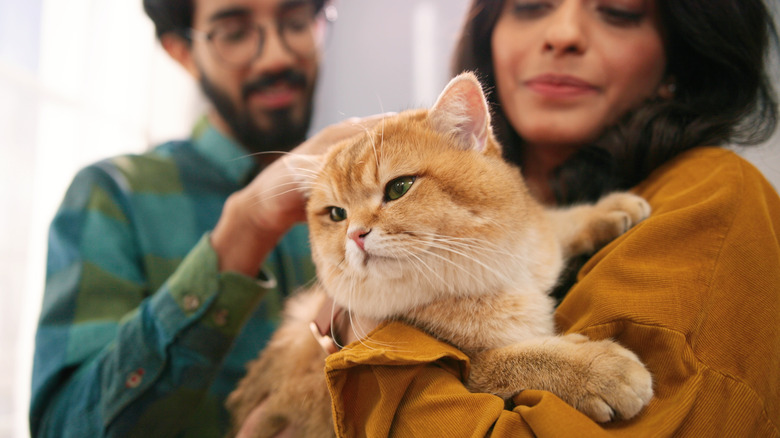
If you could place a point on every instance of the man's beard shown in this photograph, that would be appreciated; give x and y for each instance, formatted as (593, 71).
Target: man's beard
(285, 131)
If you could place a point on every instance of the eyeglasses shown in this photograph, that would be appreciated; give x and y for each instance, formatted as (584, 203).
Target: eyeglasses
(237, 41)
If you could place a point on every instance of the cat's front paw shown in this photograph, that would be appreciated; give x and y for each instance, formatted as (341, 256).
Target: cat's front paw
(620, 211)
(614, 385)
(585, 228)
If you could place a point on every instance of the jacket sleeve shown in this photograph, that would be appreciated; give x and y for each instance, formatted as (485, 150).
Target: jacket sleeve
(109, 350)
(418, 390)
(694, 291)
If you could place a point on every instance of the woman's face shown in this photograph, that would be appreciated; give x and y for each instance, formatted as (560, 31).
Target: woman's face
(567, 69)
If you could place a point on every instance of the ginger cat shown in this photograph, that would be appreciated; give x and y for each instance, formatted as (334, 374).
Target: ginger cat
(421, 219)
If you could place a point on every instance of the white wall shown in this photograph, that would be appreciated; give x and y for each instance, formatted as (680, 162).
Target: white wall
(85, 79)
(386, 56)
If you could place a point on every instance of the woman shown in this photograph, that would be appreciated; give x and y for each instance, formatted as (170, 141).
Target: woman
(592, 96)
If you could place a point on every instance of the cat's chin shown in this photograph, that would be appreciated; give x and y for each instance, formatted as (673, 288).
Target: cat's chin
(376, 296)
(365, 265)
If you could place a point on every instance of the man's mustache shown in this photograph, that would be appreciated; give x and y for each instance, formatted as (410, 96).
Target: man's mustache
(293, 78)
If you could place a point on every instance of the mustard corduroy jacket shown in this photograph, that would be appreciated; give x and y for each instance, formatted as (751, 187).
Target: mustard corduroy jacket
(694, 290)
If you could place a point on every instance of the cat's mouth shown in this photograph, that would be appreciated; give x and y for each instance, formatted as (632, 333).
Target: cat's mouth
(374, 264)
(374, 258)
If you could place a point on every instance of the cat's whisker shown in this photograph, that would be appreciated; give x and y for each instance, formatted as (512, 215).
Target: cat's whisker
(475, 245)
(453, 263)
(309, 284)
(308, 172)
(467, 242)
(369, 342)
(481, 250)
(286, 184)
(435, 245)
(381, 144)
(296, 187)
(360, 332)
(366, 129)
(363, 337)
(261, 198)
(333, 325)
(435, 272)
(357, 328)
(409, 255)
(373, 148)
(307, 157)
(257, 154)
(477, 248)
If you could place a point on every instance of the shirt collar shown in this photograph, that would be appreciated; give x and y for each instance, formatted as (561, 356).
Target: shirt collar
(231, 158)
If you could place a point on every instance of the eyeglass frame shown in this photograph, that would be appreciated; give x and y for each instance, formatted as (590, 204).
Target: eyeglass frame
(325, 12)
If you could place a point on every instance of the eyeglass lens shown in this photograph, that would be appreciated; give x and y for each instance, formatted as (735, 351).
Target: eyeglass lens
(238, 41)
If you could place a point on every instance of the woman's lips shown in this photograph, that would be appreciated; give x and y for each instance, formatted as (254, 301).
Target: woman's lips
(561, 86)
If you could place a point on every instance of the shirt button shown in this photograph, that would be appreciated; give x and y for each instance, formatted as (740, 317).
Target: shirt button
(221, 317)
(191, 303)
(134, 379)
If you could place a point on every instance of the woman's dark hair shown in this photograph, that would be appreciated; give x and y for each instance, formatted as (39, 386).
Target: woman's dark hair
(718, 52)
(175, 16)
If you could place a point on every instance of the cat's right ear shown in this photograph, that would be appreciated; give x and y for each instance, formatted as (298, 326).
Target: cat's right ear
(462, 112)
(304, 169)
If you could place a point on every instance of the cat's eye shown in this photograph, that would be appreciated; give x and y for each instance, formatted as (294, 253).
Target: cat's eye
(398, 187)
(337, 214)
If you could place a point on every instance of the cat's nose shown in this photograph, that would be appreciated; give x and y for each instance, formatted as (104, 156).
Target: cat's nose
(358, 235)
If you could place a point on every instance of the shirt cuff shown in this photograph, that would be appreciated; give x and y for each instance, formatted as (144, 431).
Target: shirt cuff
(222, 301)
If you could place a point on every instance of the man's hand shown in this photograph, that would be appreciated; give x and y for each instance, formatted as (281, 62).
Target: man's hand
(256, 217)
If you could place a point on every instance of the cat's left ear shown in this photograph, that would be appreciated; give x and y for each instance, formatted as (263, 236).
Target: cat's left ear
(304, 169)
(462, 111)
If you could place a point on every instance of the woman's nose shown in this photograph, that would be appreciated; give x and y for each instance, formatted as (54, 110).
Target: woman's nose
(566, 28)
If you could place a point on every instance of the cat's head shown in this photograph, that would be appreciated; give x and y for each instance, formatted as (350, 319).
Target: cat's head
(419, 207)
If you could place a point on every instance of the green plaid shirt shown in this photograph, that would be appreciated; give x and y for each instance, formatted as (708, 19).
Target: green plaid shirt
(139, 334)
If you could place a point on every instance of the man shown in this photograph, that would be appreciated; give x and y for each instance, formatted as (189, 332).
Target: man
(166, 269)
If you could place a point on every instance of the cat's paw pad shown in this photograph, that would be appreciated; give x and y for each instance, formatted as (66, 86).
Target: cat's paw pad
(613, 215)
(616, 385)
(624, 210)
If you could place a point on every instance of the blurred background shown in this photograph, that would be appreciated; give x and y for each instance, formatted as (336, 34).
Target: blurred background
(81, 80)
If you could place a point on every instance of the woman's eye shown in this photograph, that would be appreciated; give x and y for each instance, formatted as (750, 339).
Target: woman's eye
(621, 17)
(337, 214)
(398, 187)
(530, 9)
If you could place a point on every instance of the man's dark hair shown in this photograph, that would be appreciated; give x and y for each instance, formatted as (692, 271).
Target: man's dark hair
(175, 16)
